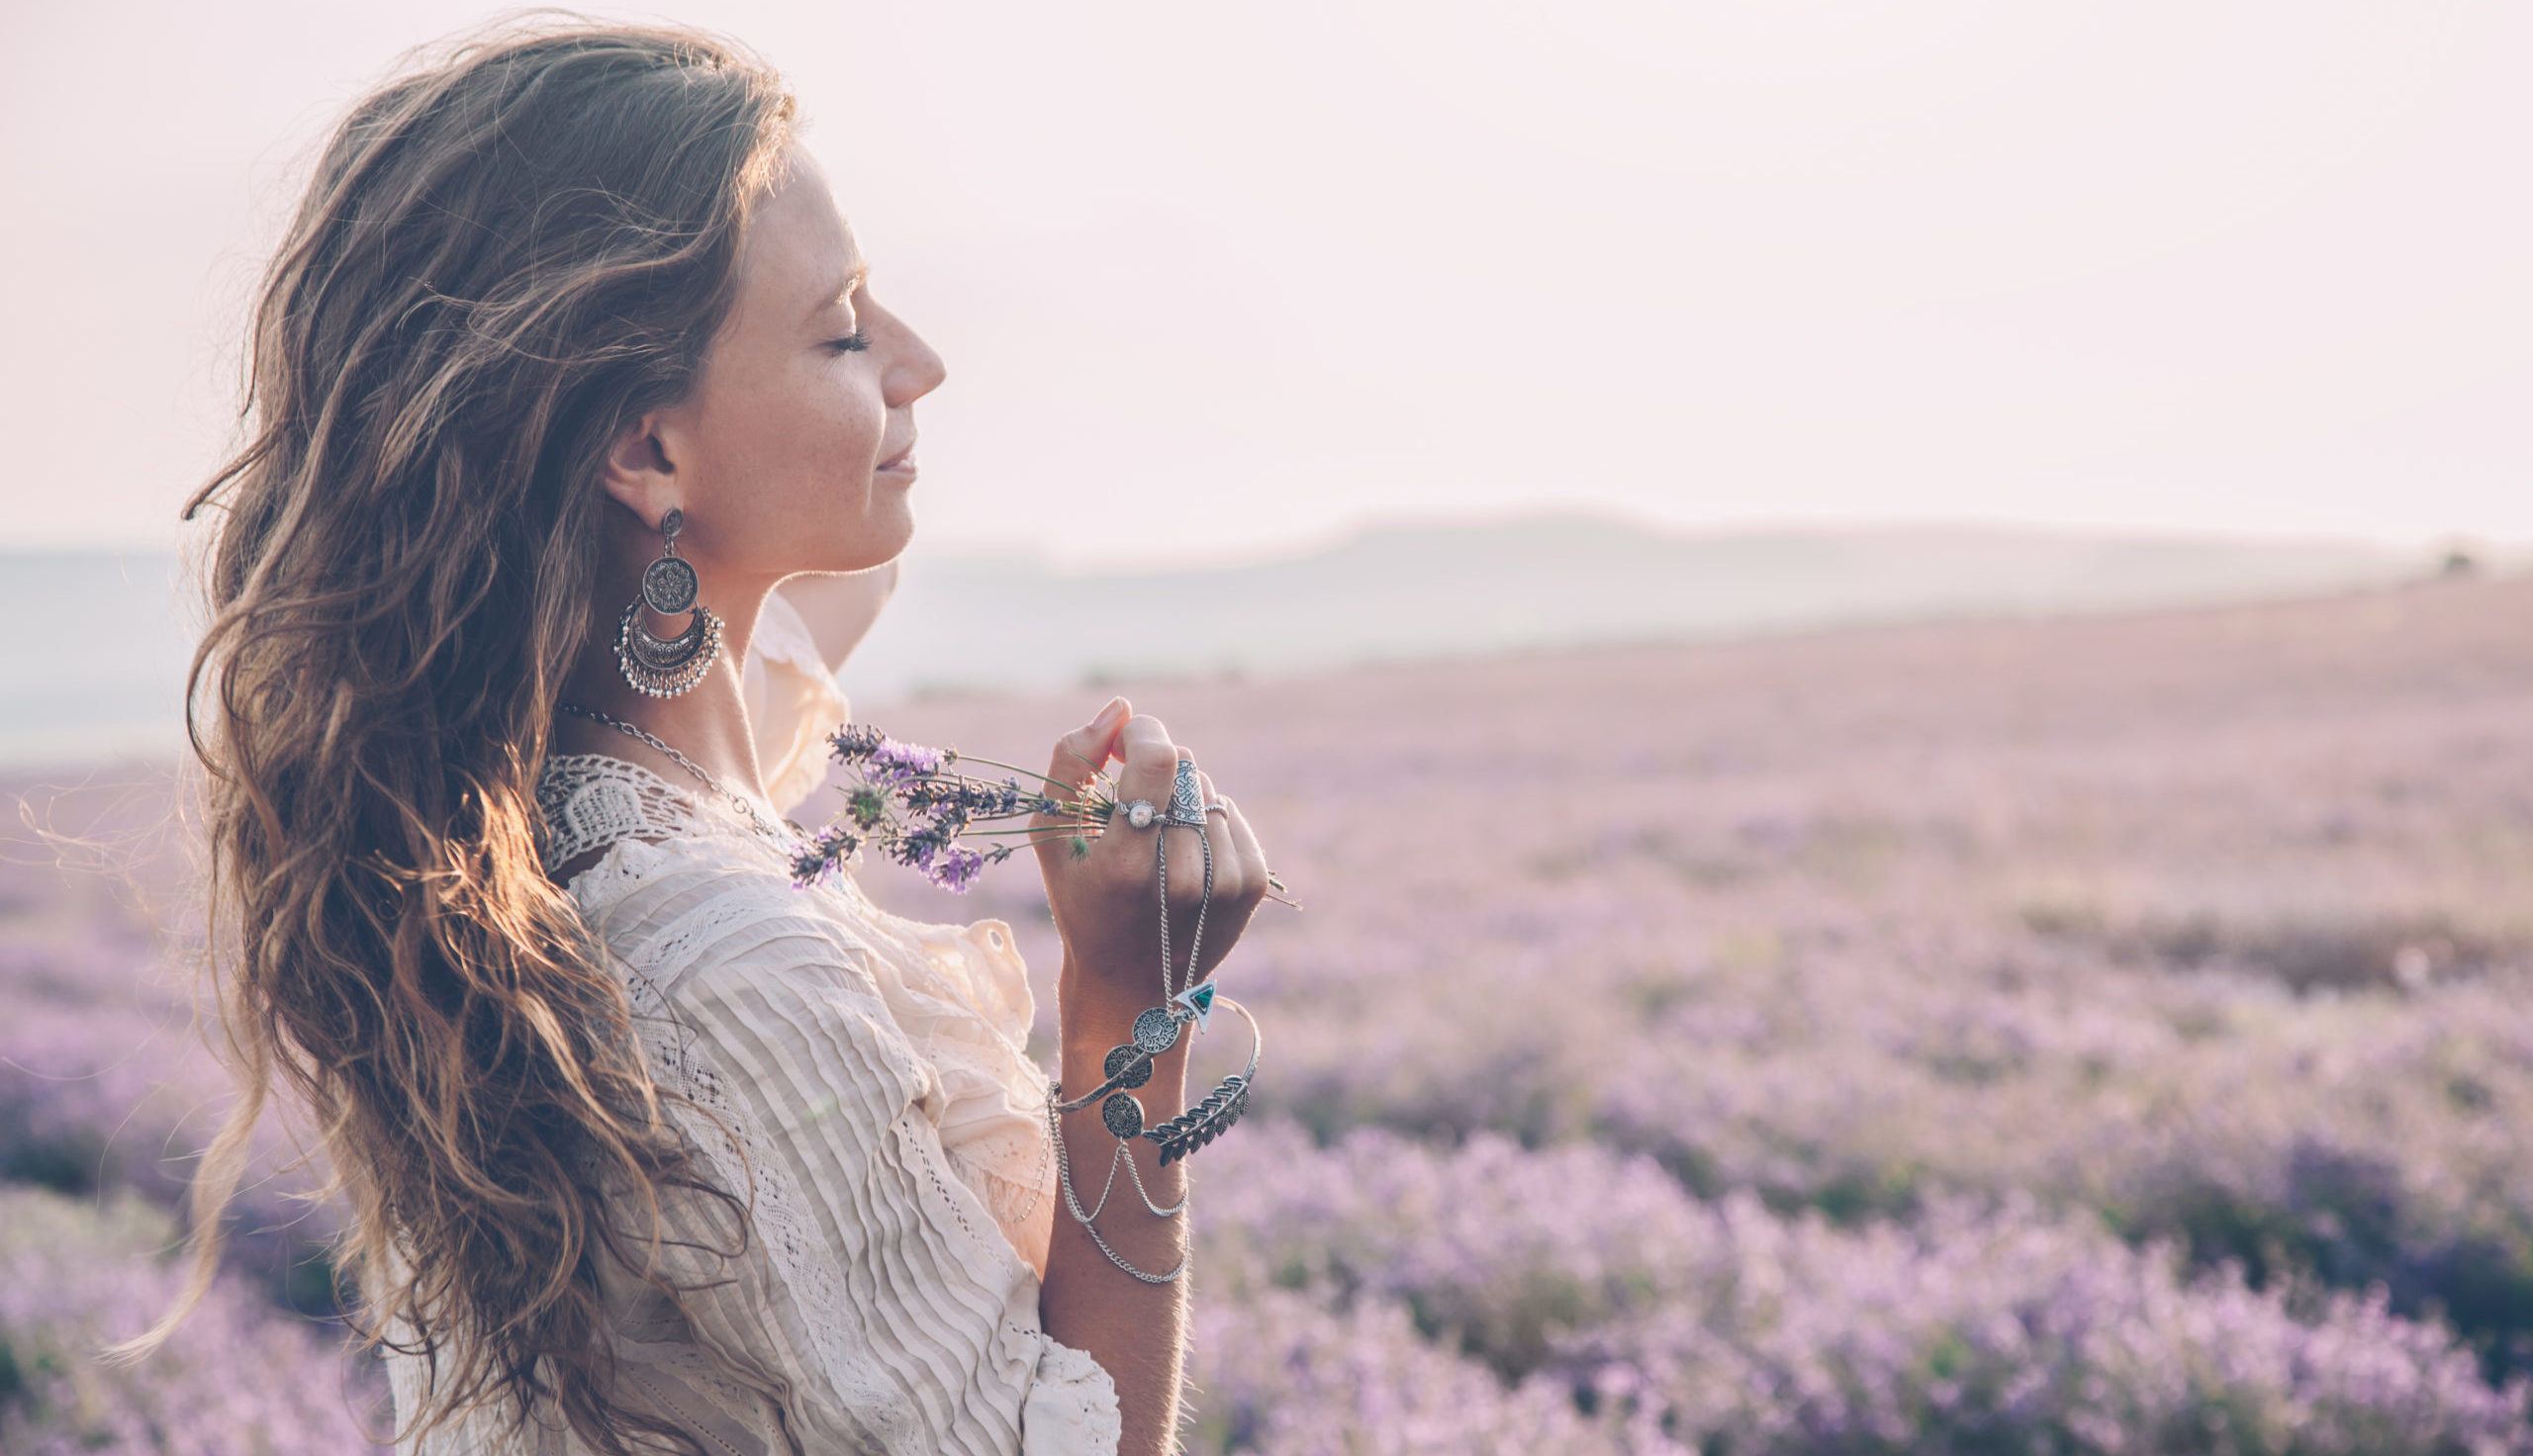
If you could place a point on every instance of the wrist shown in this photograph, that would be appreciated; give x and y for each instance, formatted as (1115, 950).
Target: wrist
(1094, 1027)
(1094, 1015)
(1102, 996)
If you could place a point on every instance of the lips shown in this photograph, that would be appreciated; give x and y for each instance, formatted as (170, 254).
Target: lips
(899, 458)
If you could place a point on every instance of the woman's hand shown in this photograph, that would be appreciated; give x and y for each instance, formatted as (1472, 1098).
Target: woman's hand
(1107, 903)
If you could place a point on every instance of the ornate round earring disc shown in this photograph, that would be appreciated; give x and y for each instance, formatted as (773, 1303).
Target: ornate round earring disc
(1157, 1030)
(1123, 1115)
(669, 585)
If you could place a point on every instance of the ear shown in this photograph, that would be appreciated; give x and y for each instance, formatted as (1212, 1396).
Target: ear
(637, 471)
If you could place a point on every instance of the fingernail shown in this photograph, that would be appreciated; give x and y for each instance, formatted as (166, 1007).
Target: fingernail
(1109, 712)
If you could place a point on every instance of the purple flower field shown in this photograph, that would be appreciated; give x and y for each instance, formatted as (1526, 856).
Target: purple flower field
(2102, 1036)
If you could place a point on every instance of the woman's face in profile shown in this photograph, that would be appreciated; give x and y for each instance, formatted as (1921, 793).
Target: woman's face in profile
(778, 456)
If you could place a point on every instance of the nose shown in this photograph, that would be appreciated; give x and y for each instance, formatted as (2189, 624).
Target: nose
(916, 370)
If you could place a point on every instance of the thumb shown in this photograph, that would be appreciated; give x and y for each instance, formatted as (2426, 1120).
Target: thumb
(1086, 750)
(1114, 711)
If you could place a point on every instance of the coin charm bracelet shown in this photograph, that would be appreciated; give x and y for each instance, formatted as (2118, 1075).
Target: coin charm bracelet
(1158, 1029)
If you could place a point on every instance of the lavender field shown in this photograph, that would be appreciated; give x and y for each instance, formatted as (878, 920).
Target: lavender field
(2092, 1035)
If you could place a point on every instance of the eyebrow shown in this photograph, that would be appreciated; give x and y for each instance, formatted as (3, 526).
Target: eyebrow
(861, 273)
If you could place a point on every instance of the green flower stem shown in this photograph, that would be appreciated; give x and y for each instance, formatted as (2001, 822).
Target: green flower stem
(1014, 814)
(1015, 768)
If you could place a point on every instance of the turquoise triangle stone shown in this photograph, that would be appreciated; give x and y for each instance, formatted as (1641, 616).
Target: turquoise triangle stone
(1198, 998)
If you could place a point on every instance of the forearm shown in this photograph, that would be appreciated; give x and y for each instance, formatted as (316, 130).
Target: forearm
(1134, 1328)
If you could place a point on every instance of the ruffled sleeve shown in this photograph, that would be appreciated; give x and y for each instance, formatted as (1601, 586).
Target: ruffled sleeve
(960, 990)
(792, 702)
(961, 993)
(880, 1310)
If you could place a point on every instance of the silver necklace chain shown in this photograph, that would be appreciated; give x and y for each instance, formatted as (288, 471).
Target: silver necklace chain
(738, 802)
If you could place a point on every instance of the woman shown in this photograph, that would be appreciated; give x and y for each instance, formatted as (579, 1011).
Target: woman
(644, 1149)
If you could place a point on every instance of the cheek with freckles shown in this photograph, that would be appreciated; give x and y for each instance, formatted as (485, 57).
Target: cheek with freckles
(839, 418)
(821, 442)
(791, 443)
(857, 441)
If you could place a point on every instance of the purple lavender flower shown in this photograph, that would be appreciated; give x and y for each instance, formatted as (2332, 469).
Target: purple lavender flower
(900, 766)
(822, 855)
(1918, 1071)
(956, 869)
(242, 1374)
(853, 742)
(914, 804)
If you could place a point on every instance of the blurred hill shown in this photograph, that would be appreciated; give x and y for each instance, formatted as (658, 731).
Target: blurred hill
(1427, 590)
(104, 674)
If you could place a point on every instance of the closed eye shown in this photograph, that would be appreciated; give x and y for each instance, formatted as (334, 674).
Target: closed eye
(850, 343)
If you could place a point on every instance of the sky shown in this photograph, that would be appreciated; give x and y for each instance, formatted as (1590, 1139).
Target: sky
(1234, 279)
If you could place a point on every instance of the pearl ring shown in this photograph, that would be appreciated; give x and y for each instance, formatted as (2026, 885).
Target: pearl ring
(1141, 813)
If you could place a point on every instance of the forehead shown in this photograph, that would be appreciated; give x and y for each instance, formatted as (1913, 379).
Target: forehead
(799, 248)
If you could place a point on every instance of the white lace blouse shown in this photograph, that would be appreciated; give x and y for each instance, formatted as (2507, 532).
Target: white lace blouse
(874, 1069)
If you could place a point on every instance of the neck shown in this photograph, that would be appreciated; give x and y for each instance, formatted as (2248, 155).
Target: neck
(708, 722)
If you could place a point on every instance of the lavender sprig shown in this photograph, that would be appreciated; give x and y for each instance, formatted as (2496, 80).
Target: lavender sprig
(913, 805)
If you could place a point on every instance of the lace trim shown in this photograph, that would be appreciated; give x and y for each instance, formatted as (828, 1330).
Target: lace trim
(1011, 1201)
(593, 800)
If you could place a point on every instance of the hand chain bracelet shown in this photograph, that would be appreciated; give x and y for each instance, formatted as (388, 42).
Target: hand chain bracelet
(1129, 1064)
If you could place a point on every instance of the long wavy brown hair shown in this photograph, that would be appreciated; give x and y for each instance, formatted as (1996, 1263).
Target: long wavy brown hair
(505, 254)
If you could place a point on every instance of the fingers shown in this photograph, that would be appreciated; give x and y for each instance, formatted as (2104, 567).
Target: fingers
(1192, 877)
(1244, 844)
(1151, 768)
(1151, 761)
(1148, 760)
(1232, 877)
(1082, 753)
(1240, 867)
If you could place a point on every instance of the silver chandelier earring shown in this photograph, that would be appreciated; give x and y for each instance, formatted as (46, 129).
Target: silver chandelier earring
(664, 666)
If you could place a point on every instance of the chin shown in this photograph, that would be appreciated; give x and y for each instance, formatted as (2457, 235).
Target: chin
(872, 541)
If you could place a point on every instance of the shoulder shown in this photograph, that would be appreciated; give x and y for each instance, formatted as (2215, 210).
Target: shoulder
(706, 896)
(626, 844)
